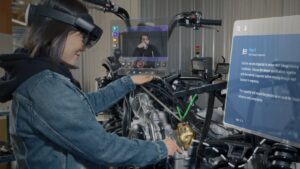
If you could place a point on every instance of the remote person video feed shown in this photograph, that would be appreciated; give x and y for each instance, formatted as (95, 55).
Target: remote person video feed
(143, 49)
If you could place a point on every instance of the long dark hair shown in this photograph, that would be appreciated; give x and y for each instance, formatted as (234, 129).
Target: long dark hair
(47, 37)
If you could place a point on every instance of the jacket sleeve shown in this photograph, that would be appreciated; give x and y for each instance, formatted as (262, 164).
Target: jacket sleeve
(65, 117)
(109, 95)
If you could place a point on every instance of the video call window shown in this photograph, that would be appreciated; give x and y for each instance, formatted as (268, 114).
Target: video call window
(143, 48)
(144, 41)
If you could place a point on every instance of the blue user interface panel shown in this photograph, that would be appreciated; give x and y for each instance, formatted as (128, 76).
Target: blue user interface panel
(143, 47)
(263, 96)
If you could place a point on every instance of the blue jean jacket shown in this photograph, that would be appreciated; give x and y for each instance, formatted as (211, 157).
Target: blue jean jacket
(53, 126)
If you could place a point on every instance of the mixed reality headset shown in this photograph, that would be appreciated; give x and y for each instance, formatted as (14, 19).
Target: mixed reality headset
(83, 23)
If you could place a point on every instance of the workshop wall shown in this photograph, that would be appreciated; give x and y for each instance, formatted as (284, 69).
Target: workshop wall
(232, 10)
(214, 44)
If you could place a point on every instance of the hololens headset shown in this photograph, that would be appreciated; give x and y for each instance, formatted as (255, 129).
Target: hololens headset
(83, 23)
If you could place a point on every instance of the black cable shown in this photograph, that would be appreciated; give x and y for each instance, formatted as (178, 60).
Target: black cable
(224, 60)
(112, 129)
(191, 118)
(177, 101)
(162, 91)
(173, 24)
(168, 91)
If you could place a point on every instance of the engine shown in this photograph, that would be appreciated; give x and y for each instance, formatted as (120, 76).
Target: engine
(148, 122)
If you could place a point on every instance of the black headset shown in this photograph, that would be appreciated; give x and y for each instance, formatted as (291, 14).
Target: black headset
(83, 23)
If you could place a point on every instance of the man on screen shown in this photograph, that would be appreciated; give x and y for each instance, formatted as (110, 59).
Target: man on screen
(145, 49)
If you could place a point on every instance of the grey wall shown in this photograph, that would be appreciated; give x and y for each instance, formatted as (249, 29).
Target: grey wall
(214, 44)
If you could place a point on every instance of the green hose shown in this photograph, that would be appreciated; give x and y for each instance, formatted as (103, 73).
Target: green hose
(191, 102)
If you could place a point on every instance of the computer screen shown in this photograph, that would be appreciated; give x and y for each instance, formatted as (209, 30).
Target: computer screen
(263, 95)
(143, 47)
(222, 68)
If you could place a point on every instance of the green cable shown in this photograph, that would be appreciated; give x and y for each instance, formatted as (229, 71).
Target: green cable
(194, 97)
(179, 113)
(189, 106)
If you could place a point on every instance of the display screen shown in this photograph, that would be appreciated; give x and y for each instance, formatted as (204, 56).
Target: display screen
(222, 68)
(263, 94)
(143, 48)
(198, 65)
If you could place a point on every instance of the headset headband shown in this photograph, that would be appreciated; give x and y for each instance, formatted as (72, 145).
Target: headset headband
(92, 31)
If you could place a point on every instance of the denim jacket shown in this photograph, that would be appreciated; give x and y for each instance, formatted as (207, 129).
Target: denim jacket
(53, 126)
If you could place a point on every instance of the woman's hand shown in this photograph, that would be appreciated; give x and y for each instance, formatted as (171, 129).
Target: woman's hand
(141, 79)
(172, 147)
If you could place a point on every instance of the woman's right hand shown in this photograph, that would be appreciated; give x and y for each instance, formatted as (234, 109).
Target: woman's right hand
(141, 79)
(172, 147)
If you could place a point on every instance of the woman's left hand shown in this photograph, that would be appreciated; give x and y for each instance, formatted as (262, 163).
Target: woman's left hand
(141, 79)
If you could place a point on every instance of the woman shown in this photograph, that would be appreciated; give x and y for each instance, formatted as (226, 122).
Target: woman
(52, 123)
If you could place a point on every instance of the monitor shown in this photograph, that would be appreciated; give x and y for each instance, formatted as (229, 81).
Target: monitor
(143, 47)
(202, 65)
(222, 68)
(263, 96)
